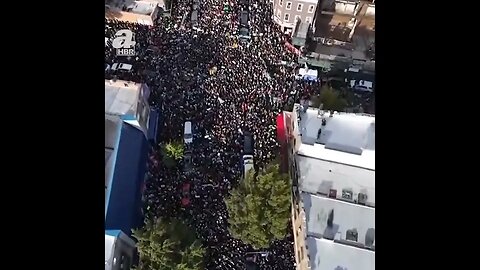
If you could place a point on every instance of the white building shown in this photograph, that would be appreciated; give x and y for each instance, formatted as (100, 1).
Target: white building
(119, 250)
(332, 156)
(134, 11)
(129, 101)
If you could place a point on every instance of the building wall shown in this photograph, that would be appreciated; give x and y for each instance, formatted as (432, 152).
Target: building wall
(282, 7)
(298, 215)
(335, 20)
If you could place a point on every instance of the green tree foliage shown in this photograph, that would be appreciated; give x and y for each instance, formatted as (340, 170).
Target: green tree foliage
(259, 209)
(168, 244)
(172, 152)
(330, 98)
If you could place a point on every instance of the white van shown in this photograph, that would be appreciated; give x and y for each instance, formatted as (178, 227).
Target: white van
(247, 164)
(187, 133)
(361, 85)
(121, 66)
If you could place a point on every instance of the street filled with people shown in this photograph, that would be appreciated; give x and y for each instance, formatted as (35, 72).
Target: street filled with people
(225, 85)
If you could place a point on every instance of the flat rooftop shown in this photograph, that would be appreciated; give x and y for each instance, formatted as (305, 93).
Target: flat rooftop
(346, 216)
(121, 97)
(328, 255)
(318, 176)
(128, 17)
(346, 138)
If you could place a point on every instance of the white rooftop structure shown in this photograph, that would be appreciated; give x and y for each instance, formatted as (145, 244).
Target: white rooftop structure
(319, 176)
(328, 255)
(129, 101)
(346, 216)
(121, 97)
(143, 7)
(335, 161)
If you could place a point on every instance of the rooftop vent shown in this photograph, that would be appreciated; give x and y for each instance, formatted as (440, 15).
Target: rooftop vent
(362, 198)
(347, 194)
(352, 235)
(332, 193)
(330, 219)
(370, 237)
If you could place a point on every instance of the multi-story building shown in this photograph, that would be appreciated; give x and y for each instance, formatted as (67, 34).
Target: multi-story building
(345, 30)
(332, 164)
(120, 251)
(288, 12)
(129, 126)
(135, 11)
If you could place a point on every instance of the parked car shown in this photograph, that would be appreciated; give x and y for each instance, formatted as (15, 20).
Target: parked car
(121, 66)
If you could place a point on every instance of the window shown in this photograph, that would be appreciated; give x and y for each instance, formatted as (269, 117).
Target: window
(288, 6)
(309, 20)
(286, 17)
(281, 3)
(311, 8)
(297, 18)
(279, 13)
(299, 7)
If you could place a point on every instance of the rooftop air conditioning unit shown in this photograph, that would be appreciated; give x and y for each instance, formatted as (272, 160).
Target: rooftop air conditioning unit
(347, 194)
(332, 193)
(352, 235)
(362, 198)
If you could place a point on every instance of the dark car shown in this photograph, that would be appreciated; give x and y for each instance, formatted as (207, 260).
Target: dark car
(244, 18)
(244, 34)
(248, 143)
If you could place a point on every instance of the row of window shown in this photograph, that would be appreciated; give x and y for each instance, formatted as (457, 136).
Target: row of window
(286, 17)
(311, 8)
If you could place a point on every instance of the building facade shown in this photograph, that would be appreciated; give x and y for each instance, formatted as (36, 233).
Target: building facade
(339, 20)
(288, 12)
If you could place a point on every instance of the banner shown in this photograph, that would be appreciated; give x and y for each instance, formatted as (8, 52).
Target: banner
(292, 49)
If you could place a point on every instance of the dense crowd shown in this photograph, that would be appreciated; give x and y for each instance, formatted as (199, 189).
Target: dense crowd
(225, 86)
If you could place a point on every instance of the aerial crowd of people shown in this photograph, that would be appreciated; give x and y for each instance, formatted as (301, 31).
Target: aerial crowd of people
(224, 86)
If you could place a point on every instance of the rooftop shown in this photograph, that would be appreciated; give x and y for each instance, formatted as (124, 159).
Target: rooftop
(318, 176)
(128, 17)
(142, 7)
(346, 216)
(121, 97)
(328, 255)
(346, 138)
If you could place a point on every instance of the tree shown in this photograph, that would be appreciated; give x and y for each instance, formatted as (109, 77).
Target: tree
(168, 244)
(172, 152)
(330, 98)
(259, 209)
